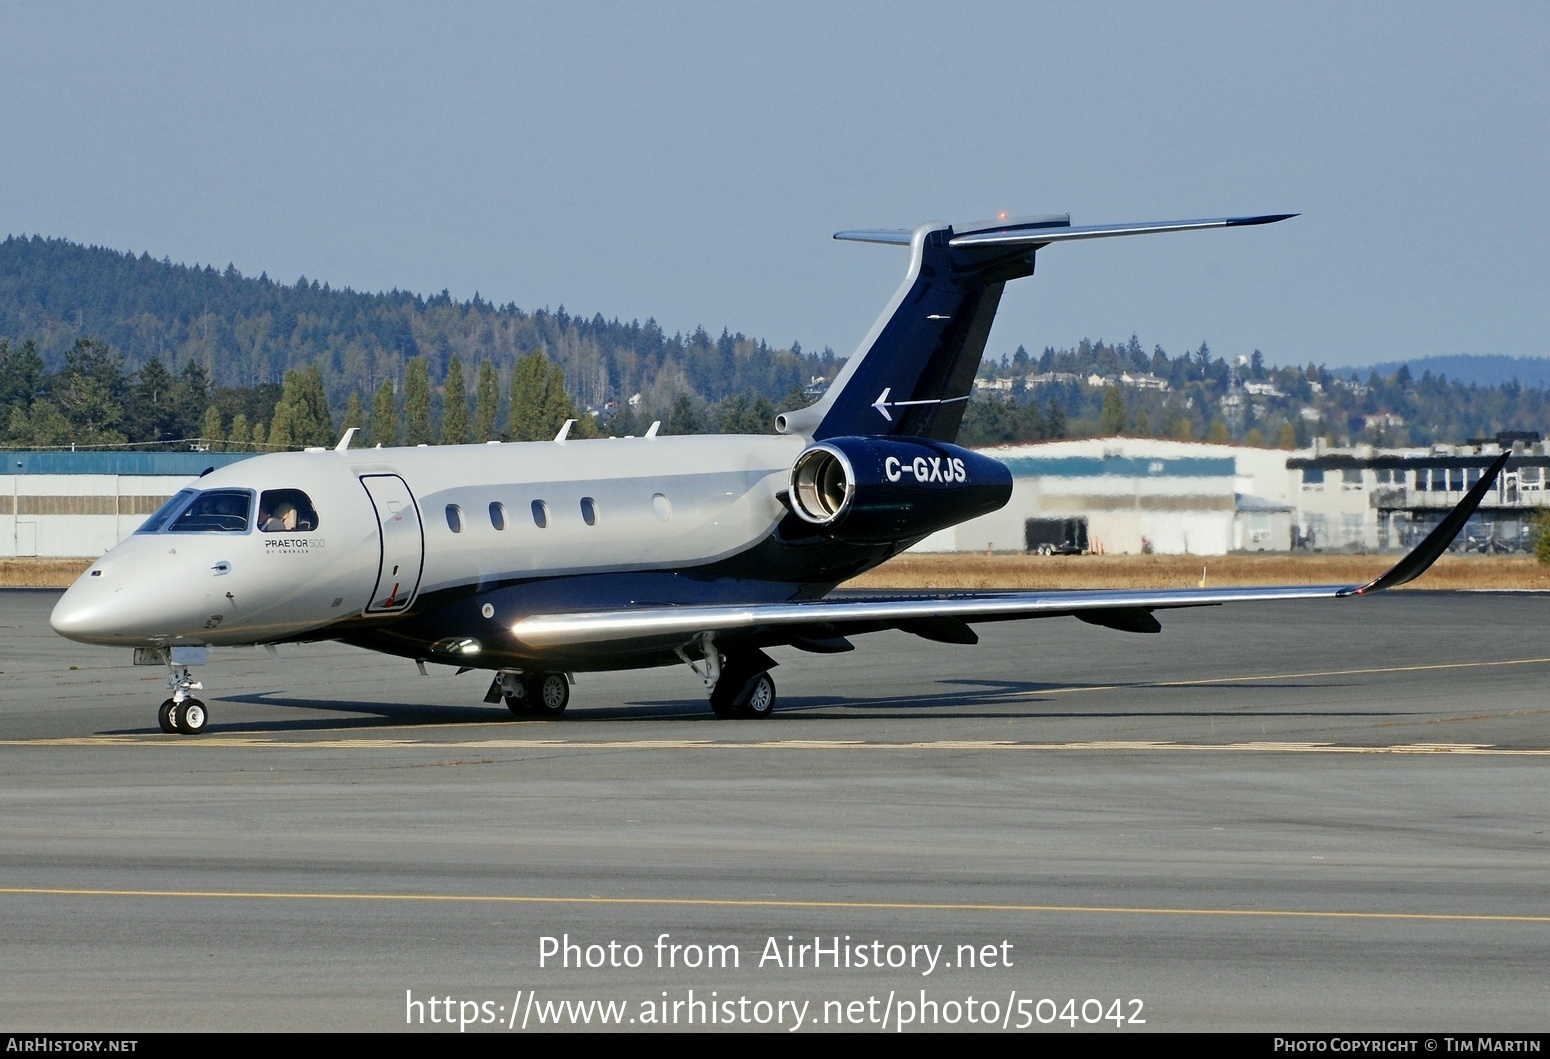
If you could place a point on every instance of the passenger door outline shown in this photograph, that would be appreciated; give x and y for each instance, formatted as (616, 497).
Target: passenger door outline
(400, 540)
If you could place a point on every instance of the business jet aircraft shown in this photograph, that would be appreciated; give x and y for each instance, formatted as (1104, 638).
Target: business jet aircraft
(544, 559)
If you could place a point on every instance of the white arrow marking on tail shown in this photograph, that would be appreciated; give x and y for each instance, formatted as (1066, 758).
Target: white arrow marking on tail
(882, 404)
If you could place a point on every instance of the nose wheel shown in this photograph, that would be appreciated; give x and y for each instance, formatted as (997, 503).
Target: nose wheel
(182, 714)
(188, 717)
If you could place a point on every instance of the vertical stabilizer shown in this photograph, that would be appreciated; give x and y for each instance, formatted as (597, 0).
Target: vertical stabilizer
(914, 372)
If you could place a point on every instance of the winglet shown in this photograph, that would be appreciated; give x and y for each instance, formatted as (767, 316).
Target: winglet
(344, 442)
(1423, 555)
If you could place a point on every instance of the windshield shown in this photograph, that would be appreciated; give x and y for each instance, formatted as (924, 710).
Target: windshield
(215, 511)
(163, 513)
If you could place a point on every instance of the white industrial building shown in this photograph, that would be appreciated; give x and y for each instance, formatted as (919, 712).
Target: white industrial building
(1366, 498)
(1139, 495)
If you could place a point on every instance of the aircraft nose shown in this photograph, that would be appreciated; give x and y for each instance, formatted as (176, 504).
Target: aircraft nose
(82, 613)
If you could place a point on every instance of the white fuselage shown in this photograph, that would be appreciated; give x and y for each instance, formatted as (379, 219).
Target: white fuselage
(383, 533)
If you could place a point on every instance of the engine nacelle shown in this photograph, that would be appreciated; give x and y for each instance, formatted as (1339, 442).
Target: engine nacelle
(888, 489)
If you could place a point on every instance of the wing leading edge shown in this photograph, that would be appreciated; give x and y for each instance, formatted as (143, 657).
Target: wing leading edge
(946, 617)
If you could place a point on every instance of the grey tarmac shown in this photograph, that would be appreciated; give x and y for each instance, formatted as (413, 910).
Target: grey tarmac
(1320, 816)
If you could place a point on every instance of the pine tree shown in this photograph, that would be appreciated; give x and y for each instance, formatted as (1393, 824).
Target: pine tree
(529, 399)
(302, 412)
(454, 416)
(210, 430)
(90, 394)
(557, 406)
(384, 416)
(152, 413)
(1055, 417)
(21, 373)
(354, 416)
(280, 437)
(1112, 419)
(487, 403)
(241, 434)
(417, 403)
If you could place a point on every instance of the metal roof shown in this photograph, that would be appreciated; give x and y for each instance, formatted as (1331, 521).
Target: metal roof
(1121, 467)
(183, 464)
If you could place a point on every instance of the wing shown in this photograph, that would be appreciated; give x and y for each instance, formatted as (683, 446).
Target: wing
(822, 624)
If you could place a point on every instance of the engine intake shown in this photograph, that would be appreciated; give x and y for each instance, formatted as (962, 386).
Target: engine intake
(876, 489)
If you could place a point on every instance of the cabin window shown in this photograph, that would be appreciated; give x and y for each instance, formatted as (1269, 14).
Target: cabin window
(498, 516)
(215, 511)
(540, 514)
(286, 511)
(166, 511)
(589, 511)
(661, 506)
(454, 518)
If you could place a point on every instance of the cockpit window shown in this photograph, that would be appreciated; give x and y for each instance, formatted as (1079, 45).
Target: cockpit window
(215, 511)
(166, 511)
(286, 511)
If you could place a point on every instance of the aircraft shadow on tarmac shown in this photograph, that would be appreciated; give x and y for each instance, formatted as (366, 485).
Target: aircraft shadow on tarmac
(966, 698)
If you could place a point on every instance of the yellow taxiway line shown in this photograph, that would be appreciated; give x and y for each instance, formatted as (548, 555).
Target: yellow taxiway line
(1103, 746)
(767, 903)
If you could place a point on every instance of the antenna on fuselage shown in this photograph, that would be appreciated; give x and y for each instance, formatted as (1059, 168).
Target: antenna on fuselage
(565, 430)
(651, 431)
(344, 442)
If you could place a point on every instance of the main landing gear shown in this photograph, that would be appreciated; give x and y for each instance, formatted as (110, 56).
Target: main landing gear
(739, 683)
(544, 695)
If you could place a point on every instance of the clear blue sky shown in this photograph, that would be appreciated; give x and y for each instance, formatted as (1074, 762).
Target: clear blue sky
(690, 161)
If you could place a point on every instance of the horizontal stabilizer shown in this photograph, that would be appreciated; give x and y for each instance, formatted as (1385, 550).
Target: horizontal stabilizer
(1037, 237)
(891, 236)
(1041, 231)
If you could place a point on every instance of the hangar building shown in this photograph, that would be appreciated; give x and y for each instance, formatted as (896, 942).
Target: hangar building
(1137, 495)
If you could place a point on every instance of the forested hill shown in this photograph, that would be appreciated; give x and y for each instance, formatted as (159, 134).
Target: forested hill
(1478, 369)
(99, 347)
(246, 331)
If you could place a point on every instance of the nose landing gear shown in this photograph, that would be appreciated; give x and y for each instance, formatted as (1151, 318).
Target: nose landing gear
(182, 714)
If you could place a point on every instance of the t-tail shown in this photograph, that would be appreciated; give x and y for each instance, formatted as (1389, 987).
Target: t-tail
(913, 373)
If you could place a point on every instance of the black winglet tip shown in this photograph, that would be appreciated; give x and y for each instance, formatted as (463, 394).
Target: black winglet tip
(1266, 218)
